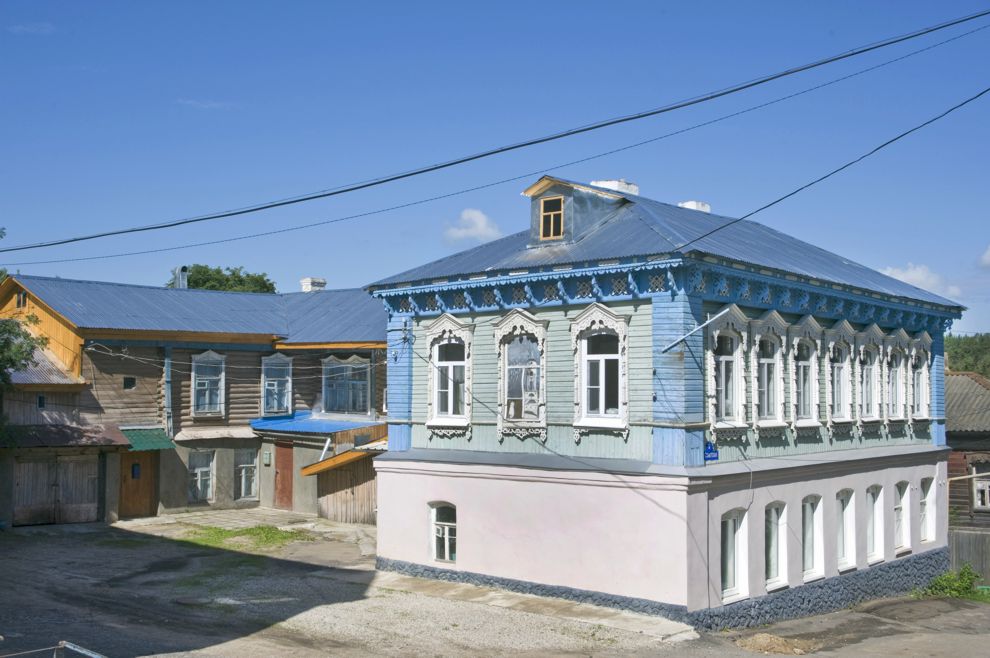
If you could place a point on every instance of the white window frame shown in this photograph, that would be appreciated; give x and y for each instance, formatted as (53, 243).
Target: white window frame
(514, 324)
(869, 341)
(840, 383)
(771, 326)
(921, 351)
(841, 336)
(927, 510)
(197, 473)
(896, 369)
(805, 383)
(276, 360)
(732, 323)
(735, 522)
(445, 529)
(779, 528)
(352, 361)
(981, 483)
(209, 358)
(595, 320)
(845, 527)
(875, 518)
(902, 517)
(814, 527)
(239, 471)
(869, 372)
(806, 330)
(446, 329)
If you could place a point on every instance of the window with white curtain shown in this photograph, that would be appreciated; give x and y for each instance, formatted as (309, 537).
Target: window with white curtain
(208, 384)
(768, 407)
(874, 523)
(200, 476)
(902, 517)
(276, 384)
(804, 380)
(601, 375)
(245, 474)
(733, 560)
(726, 374)
(926, 510)
(347, 385)
(895, 385)
(839, 401)
(775, 545)
(868, 377)
(845, 529)
(812, 546)
(522, 379)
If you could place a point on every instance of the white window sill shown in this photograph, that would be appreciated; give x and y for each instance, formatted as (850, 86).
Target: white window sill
(813, 576)
(845, 567)
(776, 584)
(733, 596)
(601, 423)
(730, 425)
(874, 559)
(769, 423)
(871, 419)
(807, 422)
(207, 414)
(448, 421)
(901, 551)
(920, 418)
(841, 421)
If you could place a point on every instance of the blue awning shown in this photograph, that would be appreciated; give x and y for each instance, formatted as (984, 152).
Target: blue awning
(304, 422)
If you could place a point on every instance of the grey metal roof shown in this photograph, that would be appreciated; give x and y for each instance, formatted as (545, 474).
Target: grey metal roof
(644, 227)
(44, 370)
(322, 316)
(967, 402)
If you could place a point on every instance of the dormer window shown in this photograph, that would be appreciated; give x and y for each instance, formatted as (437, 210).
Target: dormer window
(552, 218)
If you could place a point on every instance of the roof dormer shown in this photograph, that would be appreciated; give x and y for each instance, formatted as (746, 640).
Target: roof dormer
(563, 212)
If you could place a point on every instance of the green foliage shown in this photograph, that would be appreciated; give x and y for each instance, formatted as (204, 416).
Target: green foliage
(232, 279)
(17, 344)
(968, 353)
(953, 584)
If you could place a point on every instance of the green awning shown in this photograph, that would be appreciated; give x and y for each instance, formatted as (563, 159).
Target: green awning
(148, 438)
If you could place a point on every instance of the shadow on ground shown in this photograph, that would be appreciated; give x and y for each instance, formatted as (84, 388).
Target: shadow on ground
(125, 593)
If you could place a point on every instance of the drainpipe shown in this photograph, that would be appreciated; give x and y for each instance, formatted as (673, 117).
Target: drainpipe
(168, 391)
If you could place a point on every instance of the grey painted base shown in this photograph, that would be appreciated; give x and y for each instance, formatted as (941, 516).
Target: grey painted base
(830, 594)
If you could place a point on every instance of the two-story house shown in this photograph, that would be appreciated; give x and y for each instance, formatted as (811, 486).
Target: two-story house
(179, 399)
(653, 407)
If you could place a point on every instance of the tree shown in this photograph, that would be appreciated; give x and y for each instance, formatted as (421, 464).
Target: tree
(968, 353)
(231, 279)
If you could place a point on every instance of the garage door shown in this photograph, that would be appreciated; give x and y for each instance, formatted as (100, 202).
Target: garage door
(60, 490)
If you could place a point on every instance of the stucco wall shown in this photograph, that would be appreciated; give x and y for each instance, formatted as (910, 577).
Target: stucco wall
(592, 531)
(174, 475)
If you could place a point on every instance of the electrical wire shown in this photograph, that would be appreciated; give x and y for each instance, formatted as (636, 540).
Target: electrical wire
(503, 181)
(510, 147)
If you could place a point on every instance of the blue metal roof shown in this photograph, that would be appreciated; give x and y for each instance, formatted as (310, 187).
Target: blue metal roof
(312, 317)
(644, 227)
(304, 422)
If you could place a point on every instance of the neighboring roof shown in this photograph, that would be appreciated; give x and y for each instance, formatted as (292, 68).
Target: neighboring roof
(327, 316)
(305, 422)
(644, 227)
(61, 436)
(336, 461)
(967, 402)
(44, 371)
(147, 438)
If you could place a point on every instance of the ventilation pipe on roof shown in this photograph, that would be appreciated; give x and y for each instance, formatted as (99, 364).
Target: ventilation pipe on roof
(620, 185)
(180, 277)
(696, 205)
(312, 284)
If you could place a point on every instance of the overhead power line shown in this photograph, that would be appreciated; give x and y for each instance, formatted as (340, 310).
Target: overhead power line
(325, 222)
(598, 125)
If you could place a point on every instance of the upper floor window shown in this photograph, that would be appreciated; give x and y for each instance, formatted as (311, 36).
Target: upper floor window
(868, 379)
(601, 370)
(599, 342)
(552, 218)
(347, 385)
(208, 383)
(522, 379)
(276, 384)
(449, 373)
(767, 405)
(805, 378)
(895, 385)
(726, 378)
(451, 365)
(840, 380)
(981, 485)
(21, 299)
(919, 385)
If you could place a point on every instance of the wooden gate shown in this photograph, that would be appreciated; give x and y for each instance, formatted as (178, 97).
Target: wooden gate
(138, 484)
(283, 475)
(63, 489)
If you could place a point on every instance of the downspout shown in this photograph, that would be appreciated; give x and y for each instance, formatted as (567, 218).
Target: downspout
(168, 391)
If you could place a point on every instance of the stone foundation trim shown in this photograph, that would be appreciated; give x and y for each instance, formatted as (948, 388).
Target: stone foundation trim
(882, 580)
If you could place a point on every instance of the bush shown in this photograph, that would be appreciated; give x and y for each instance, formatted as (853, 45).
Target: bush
(953, 584)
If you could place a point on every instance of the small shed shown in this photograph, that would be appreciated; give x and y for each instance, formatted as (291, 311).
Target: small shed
(346, 486)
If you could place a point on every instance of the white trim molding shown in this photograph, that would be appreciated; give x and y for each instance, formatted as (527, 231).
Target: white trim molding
(772, 326)
(514, 324)
(352, 360)
(735, 324)
(447, 328)
(808, 330)
(277, 359)
(869, 340)
(594, 320)
(840, 335)
(209, 358)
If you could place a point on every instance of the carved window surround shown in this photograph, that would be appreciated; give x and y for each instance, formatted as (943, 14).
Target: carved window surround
(898, 343)
(599, 319)
(841, 336)
(444, 329)
(733, 323)
(806, 329)
(514, 324)
(770, 326)
(921, 349)
(869, 340)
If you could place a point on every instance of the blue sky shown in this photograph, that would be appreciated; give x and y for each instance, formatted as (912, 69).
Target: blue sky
(119, 113)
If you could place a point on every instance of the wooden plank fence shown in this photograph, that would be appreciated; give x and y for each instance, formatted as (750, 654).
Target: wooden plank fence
(971, 546)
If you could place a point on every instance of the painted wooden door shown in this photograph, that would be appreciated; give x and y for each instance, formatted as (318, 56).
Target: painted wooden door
(283, 475)
(34, 492)
(78, 491)
(139, 483)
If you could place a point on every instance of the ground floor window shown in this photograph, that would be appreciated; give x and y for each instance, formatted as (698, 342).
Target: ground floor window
(444, 533)
(774, 546)
(200, 476)
(245, 473)
(845, 529)
(902, 525)
(874, 523)
(733, 560)
(926, 509)
(812, 556)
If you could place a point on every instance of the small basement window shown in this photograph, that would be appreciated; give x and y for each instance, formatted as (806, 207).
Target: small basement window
(130, 383)
(552, 218)
(41, 401)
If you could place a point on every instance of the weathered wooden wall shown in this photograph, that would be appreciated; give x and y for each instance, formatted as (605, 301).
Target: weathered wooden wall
(63, 340)
(971, 546)
(21, 408)
(106, 400)
(242, 394)
(348, 494)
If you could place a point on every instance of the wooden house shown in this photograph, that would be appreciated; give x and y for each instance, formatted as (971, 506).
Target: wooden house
(166, 384)
(967, 420)
(653, 407)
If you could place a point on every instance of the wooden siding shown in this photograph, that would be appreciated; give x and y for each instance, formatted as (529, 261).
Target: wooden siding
(21, 408)
(106, 401)
(64, 341)
(348, 494)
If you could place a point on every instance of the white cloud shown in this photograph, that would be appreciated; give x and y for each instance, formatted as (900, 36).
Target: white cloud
(37, 29)
(923, 277)
(204, 104)
(985, 258)
(473, 225)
